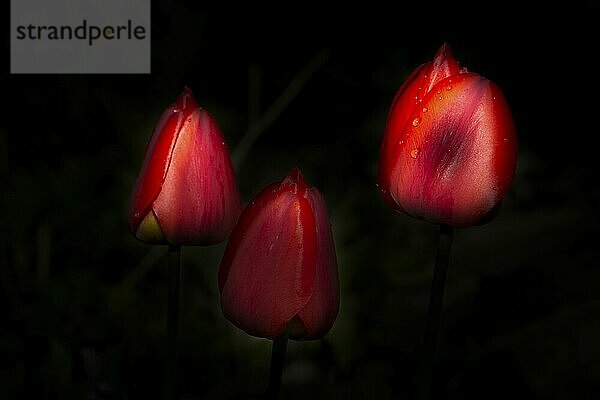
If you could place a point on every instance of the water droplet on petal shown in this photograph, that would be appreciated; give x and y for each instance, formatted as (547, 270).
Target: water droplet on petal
(505, 139)
(439, 98)
(414, 153)
(137, 214)
(449, 87)
(424, 109)
(416, 121)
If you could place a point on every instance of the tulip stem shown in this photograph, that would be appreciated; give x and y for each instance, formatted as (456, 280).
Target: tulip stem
(276, 370)
(436, 299)
(172, 316)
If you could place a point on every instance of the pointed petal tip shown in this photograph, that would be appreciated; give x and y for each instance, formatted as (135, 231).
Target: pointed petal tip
(295, 174)
(186, 100)
(295, 181)
(444, 53)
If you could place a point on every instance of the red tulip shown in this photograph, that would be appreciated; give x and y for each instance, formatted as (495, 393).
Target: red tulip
(279, 269)
(449, 151)
(186, 192)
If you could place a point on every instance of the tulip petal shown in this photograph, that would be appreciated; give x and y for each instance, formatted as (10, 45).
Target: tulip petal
(320, 312)
(405, 101)
(446, 171)
(268, 272)
(157, 157)
(444, 65)
(198, 202)
(409, 98)
(239, 232)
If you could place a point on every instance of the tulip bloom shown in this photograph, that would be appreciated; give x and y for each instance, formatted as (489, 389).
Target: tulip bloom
(279, 269)
(449, 150)
(186, 192)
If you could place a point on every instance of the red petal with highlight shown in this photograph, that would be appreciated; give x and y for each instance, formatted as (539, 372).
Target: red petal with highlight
(157, 157)
(407, 98)
(198, 202)
(320, 312)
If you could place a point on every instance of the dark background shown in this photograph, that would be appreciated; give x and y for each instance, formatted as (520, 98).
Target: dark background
(82, 302)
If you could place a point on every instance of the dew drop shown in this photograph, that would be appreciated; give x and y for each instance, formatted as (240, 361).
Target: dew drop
(414, 153)
(137, 214)
(505, 139)
(439, 98)
(439, 91)
(449, 87)
(416, 121)
(401, 142)
(222, 143)
(424, 109)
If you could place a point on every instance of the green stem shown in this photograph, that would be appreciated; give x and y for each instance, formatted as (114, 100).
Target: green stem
(434, 312)
(276, 370)
(172, 316)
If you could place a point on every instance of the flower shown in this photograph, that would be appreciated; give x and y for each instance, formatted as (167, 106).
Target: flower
(186, 192)
(279, 270)
(449, 150)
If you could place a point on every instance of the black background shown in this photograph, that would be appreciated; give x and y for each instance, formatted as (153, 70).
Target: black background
(83, 303)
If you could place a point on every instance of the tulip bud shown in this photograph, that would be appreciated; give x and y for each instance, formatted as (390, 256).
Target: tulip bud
(279, 270)
(449, 150)
(186, 192)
